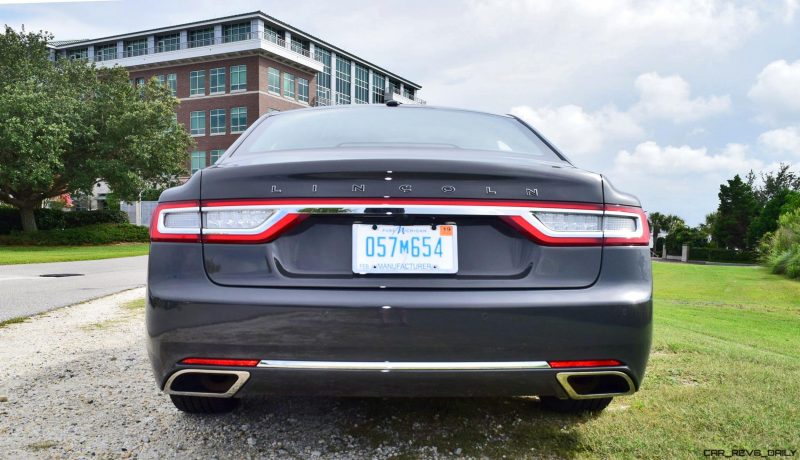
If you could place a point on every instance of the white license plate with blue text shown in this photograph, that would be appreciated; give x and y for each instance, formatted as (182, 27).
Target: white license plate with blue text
(405, 249)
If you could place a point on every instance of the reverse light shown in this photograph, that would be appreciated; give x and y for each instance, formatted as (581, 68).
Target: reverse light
(236, 218)
(585, 363)
(570, 222)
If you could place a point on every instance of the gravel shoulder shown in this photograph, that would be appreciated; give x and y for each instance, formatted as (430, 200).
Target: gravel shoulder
(78, 385)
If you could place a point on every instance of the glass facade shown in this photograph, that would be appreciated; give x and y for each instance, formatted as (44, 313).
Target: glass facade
(198, 161)
(362, 85)
(105, 52)
(238, 119)
(302, 90)
(172, 83)
(342, 80)
(236, 32)
(218, 121)
(274, 80)
(201, 37)
(323, 78)
(197, 83)
(171, 42)
(80, 53)
(238, 77)
(378, 88)
(215, 154)
(288, 85)
(216, 80)
(135, 47)
(197, 123)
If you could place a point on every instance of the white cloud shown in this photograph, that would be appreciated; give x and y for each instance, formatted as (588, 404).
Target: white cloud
(651, 158)
(777, 88)
(577, 131)
(782, 140)
(790, 8)
(670, 98)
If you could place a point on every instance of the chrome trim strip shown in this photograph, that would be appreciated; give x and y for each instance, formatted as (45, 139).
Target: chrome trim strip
(563, 377)
(242, 378)
(386, 366)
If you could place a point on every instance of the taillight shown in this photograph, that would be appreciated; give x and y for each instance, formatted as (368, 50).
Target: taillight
(260, 221)
(178, 222)
(220, 362)
(609, 225)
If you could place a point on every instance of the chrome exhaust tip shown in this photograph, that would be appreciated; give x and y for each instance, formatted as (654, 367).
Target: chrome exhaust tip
(596, 384)
(206, 382)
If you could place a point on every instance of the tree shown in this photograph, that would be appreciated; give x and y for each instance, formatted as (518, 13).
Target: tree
(777, 182)
(737, 207)
(665, 222)
(67, 125)
(766, 220)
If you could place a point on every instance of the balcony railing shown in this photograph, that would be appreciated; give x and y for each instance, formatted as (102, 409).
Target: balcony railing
(199, 43)
(394, 93)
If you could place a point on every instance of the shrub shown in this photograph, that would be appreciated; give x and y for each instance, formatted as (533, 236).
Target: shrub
(49, 219)
(782, 248)
(722, 255)
(87, 235)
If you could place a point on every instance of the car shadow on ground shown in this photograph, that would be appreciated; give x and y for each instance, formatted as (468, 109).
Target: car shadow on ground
(414, 427)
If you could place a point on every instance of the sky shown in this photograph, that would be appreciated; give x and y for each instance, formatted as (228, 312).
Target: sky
(667, 98)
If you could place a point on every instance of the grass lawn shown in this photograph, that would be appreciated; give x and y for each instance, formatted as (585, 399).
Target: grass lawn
(724, 373)
(37, 254)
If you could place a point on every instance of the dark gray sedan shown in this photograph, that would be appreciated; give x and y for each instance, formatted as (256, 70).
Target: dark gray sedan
(397, 251)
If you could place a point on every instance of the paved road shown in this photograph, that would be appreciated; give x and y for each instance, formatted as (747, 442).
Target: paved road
(23, 292)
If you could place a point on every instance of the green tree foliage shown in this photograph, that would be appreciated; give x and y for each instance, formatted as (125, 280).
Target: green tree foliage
(659, 222)
(737, 208)
(67, 125)
(781, 249)
(766, 219)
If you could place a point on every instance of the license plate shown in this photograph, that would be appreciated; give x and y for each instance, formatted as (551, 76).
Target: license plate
(406, 249)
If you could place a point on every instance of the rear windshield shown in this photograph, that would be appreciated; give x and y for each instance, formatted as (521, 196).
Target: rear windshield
(386, 127)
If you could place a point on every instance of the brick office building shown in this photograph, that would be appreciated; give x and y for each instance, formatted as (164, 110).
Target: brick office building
(229, 71)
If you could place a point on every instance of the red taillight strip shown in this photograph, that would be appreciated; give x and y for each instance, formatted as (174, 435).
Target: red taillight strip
(220, 362)
(310, 202)
(156, 234)
(585, 363)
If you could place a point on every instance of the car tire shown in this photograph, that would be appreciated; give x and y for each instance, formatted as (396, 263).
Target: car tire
(574, 406)
(204, 405)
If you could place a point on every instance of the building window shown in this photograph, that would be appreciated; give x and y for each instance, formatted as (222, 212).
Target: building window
(172, 83)
(288, 85)
(215, 154)
(140, 82)
(342, 81)
(302, 90)
(409, 93)
(362, 85)
(198, 161)
(217, 80)
(274, 80)
(323, 78)
(201, 37)
(378, 88)
(160, 80)
(80, 53)
(105, 52)
(238, 119)
(236, 32)
(299, 46)
(135, 47)
(197, 83)
(197, 123)
(274, 35)
(171, 42)
(238, 77)
(218, 121)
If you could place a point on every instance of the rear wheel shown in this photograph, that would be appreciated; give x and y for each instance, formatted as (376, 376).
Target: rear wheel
(574, 406)
(204, 405)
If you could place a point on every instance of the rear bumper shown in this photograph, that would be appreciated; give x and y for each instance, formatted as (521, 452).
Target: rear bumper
(189, 316)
